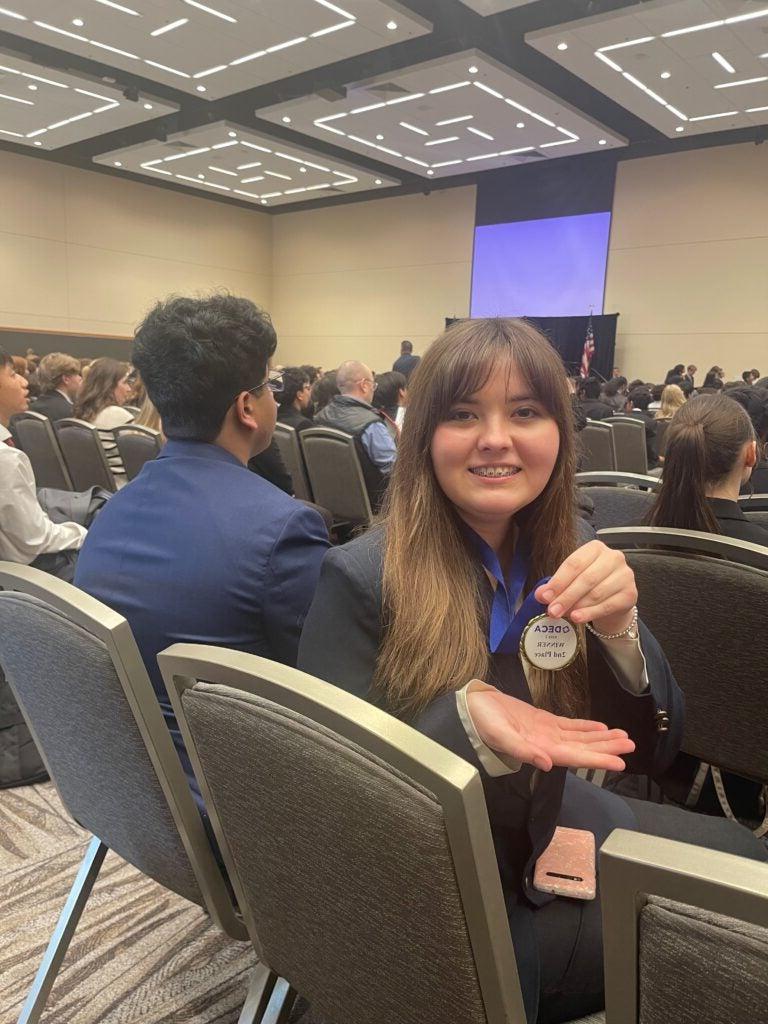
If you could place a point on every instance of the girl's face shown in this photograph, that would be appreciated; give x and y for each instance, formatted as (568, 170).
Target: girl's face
(495, 452)
(123, 391)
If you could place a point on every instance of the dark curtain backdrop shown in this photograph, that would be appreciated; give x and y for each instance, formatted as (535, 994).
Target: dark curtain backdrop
(567, 334)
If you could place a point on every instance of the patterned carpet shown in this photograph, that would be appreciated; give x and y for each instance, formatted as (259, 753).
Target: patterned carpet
(140, 953)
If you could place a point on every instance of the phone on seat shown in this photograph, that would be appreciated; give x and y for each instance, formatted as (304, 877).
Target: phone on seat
(567, 866)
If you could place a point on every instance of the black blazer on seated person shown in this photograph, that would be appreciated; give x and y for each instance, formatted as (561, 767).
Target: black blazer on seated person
(733, 523)
(340, 643)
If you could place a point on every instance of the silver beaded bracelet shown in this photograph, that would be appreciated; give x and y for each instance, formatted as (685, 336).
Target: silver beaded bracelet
(630, 631)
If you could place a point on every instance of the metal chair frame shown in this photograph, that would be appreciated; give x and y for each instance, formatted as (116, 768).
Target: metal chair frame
(608, 477)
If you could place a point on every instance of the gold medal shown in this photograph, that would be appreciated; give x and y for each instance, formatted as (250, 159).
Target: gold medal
(549, 644)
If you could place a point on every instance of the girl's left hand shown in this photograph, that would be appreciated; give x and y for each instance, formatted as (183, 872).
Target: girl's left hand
(595, 585)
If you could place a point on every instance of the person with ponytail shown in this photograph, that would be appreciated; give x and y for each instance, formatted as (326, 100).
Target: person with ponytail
(429, 613)
(711, 450)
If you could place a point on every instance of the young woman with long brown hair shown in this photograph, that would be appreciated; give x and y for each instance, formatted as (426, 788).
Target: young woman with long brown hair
(711, 452)
(426, 614)
(105, 391)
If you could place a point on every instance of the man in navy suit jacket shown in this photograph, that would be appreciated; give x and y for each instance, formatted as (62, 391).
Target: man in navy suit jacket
(197, 548)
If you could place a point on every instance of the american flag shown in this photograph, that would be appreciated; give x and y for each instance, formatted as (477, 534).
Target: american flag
(589, 350)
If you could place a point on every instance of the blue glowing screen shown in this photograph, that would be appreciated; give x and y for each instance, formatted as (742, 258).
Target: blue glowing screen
(550, 267)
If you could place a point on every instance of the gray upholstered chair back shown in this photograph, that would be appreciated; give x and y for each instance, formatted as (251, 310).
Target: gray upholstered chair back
(77, 674)
(757, 517)
(38, 441)
(334, 473)
(629, 444)
(708, 614)
(136, 445)
(597, 448)
(661, 435)
(287, 441)
(754, 502)
(618, 506)
(83, 453)
(685, 932)
(359, 850)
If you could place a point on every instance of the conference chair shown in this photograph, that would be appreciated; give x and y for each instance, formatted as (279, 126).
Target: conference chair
(661, 435)
(753, 502)
(287, 441)
(77, 674)
(685, 932)
(335, 476)
(618, 506)
(359, 850)
(597, 447)
(135, 446)
(704, 596)
(629, 444)
(84, 455)
(38, 441)
(614, 479)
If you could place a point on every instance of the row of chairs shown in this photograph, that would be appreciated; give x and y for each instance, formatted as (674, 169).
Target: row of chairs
(366, 881)
(68, 454)
(623, 499)
(616, 444)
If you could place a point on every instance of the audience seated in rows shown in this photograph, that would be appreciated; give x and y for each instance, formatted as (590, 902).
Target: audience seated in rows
(711, 450)
(104, 392)
(196, 548)
(27, 533)
(351, 412)
(406, 362)
(59, 379)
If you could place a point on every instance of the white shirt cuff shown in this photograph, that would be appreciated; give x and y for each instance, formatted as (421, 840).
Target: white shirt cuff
(495, 764)
(626, 658)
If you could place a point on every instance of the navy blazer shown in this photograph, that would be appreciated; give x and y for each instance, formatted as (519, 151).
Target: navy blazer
(197, 549)
(340, 643)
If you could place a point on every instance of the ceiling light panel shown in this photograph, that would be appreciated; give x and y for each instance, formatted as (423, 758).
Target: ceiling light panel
(47, 108)
(225, 159)
(227, 45)
(486, 7)
(687, 67)
(439, 119)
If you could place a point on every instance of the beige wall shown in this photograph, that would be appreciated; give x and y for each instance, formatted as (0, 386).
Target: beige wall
(688, 262)
(85, 252)
(353, 281)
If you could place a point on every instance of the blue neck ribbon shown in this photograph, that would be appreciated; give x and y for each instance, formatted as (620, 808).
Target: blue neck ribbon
(507, 625)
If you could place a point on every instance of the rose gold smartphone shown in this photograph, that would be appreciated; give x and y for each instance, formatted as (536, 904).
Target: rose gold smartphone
(567, 866)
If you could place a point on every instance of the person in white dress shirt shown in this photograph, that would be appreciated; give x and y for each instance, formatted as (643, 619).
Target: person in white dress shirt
(27, 534)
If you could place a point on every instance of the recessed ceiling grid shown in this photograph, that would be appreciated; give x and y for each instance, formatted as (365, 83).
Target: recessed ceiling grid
(213, 48)
(50, 109)
(229, 160)
(446, 117)
(684, 67)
